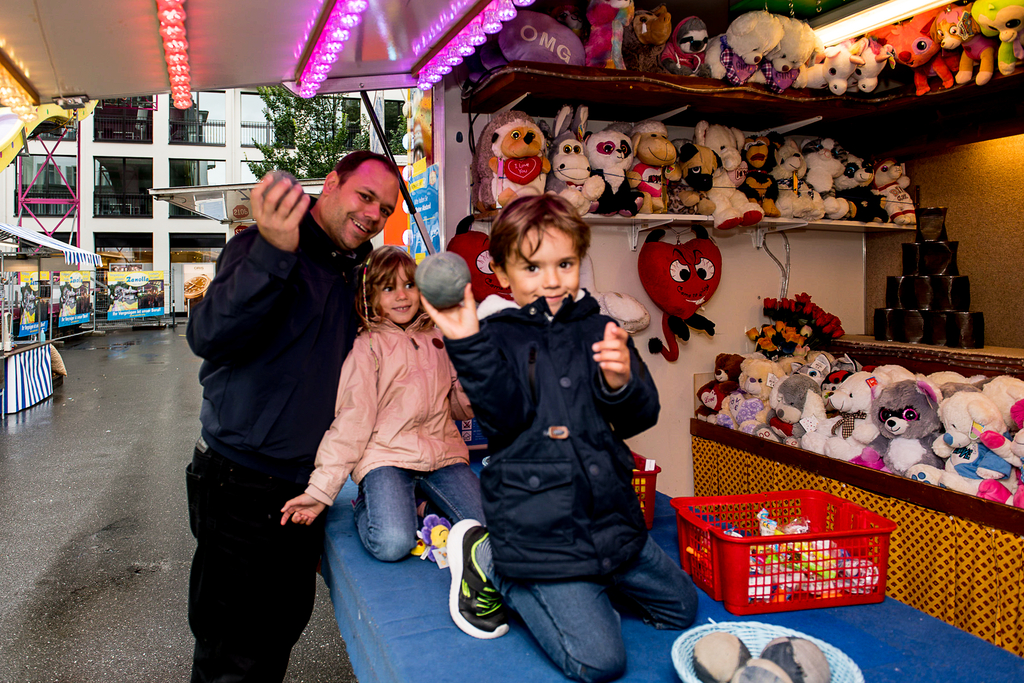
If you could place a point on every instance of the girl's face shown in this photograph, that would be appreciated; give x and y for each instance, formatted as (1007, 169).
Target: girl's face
(399, 302)
(552, 271)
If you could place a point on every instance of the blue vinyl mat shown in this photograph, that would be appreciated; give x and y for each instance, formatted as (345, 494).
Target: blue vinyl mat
(394, 619)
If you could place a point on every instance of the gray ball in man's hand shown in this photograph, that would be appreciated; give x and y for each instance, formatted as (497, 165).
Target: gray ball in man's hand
(281, 177)
(442, 279)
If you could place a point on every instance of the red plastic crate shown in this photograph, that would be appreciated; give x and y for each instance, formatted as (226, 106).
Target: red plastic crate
(645, 484)
(842, 560)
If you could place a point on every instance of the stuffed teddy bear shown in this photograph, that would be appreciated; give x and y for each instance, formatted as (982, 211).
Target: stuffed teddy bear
(1007, 393)
(954, 27)
(1002, 19)
(570, 176)
(654, 164)
(913, 46)
(876, 56)
(796, 198)
(823, 167)
(697, 166)
(684, 52)
(742, 412)
(891, 182)
(832, 68)
(845, 436)
(734, 55)
(795, 408)
(781, 65)
(711, 397)
(610, 153)
(644, 39)
(854, 185)
(978, 455)
(732, 208)
(759, 186)
(509, 161)
(727, 367)
(608, 21)
(906, 415)
(758, 376)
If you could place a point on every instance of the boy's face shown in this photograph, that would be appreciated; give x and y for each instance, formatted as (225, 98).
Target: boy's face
(551, 272)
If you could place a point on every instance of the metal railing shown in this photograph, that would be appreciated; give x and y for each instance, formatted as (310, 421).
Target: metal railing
(71, 135)
(46, 209)
(122, 204)
(197, 133)
(257, 132)
(107, 128)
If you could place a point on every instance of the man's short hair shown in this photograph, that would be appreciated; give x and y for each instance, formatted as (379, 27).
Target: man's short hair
(353, 160)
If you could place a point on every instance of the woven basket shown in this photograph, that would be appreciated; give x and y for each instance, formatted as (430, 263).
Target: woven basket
(755, 636)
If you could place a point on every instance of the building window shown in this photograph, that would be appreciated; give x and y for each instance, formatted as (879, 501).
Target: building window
(202, 123)
(193, 172)
(254, 124)
(395, 126)
(48, 185)
(121, 187)
(118, 249)
(128, 119)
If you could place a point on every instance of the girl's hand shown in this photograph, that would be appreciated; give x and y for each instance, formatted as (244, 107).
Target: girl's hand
(456, 322)
(302, 509)
(612, 354)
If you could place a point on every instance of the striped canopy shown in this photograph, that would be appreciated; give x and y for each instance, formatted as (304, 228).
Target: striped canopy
(72, 255)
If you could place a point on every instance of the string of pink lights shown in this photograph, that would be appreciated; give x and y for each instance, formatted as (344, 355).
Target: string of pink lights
(473, 35)
(172, 30)
(345, 16)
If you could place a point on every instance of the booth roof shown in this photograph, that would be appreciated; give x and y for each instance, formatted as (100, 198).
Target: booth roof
(72, 255)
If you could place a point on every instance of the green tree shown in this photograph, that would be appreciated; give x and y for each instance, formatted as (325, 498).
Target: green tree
(309, 135)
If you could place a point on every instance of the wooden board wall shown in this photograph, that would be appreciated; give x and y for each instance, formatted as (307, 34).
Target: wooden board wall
(980, 184)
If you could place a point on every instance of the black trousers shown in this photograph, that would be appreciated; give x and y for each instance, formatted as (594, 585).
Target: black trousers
(253, 581)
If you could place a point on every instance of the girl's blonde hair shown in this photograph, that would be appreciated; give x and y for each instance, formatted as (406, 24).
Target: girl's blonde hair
(541, 212)
(380, 270)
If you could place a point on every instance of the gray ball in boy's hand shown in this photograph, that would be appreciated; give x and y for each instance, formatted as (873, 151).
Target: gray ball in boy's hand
(442, 279)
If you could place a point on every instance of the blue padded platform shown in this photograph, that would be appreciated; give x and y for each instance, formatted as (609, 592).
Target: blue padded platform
(394, 619)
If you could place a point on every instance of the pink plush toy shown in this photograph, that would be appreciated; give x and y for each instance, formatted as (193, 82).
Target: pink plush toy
(876, 56)
(955, 28)
(608, 20)
(915, 48)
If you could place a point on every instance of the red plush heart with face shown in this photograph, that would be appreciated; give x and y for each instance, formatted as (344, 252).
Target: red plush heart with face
(680, 278)
(472, 246)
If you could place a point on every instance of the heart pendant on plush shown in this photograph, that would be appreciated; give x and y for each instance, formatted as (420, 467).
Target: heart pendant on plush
(472, 245)
(680, 279)
(523, 170)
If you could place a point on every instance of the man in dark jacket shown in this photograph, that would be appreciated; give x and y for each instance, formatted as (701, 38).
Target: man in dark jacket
(273, 329)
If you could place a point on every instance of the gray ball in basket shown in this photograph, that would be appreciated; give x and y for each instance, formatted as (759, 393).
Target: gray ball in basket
(442, 279)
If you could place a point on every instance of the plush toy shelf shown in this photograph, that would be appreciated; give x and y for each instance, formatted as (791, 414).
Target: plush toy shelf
(635, 225)
(895, 122)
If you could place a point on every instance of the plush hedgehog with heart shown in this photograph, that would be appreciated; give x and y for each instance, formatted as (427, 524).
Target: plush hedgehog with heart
(906, 415)
(509, 161)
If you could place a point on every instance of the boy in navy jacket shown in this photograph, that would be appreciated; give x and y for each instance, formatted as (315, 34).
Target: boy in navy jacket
(556, 387)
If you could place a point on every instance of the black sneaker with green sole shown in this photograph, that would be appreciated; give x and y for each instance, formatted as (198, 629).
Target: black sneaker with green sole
(473, 601)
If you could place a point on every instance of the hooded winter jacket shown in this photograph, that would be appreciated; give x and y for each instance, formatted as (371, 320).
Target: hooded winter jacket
(558, 491)
(397, 398)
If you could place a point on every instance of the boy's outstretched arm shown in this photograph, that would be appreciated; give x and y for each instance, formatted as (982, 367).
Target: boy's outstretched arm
(612, 355)
(632, 406)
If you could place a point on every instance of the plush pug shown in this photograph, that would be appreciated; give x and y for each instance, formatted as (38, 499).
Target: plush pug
(685, 50)
(759, 186)
(697, 166)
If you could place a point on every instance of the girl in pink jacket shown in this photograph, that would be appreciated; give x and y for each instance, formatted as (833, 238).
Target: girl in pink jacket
(393, 429)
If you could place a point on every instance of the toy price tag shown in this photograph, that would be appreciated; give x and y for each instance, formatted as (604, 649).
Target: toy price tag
(772, 381)
(820, 363)
(810, 423)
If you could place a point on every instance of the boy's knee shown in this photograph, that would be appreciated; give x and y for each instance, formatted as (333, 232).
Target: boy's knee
(599, 667)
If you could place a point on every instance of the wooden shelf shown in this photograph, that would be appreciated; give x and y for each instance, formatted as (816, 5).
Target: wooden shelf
(942, 500)
(989, 360)
(893, 122)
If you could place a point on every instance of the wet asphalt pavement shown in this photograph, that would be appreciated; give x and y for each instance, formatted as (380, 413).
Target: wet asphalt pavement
(94, 539)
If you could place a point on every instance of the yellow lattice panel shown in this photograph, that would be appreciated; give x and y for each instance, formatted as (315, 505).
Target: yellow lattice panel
(1009, 551)
(705, 467)
(922, 559)
(791, 478)
(871, 501)
(976, 606)
(732, 471)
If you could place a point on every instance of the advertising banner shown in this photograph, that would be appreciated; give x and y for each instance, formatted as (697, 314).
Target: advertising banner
(135, 295)
(75, 297)
(29, 283)
(425, 197)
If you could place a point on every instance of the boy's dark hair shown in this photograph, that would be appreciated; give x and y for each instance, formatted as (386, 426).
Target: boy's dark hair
(542, 212)
(380, 270)
(347, 165)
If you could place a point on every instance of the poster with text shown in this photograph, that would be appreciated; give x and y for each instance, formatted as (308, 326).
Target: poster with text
(135, 295)
(75, 297)
(29, 283)
(426, 198)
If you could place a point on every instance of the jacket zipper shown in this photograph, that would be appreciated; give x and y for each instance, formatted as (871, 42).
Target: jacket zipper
(532, 373)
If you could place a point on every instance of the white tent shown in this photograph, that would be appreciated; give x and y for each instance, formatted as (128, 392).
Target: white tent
(72, 255)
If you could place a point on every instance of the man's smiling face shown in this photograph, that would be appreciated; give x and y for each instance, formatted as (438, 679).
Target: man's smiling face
(354, 211)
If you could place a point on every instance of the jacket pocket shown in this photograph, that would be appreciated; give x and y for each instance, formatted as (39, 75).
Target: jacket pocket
(270, 413)
(537, 504)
